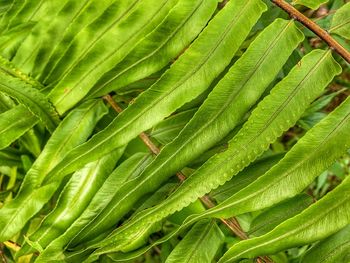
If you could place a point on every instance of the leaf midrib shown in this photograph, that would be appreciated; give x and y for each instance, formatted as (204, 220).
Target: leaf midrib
(151, 105)
(232, 96)
(28, 197)
(311, 155)
(155, 51)
(109, 55)
(258, 133)
(316, 218)
(77, 195)
(42, 109)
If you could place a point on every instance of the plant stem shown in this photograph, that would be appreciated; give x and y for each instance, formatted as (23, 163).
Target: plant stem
(231, 223)
(320, 32)
(146, 140)
(206, 200)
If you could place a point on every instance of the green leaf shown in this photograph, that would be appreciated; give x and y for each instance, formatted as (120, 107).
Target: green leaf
(128, 170)
(245, 177)
(318, 149)
(200, 244)
(111, 46)
(155, 198)
(35, 245)
(214, 120)
(313, 115)
(269, 219)
(8, 67)
(275, 114)
(167, 130)
(11, 40)
(183, 23)
(4, 6)
(6, 102)
(73, 200)
(320, 220)
(31, 98)
(335, 248)
(341, 22)
(21, 12)
(14, 7)
(10, 157)
(320, 143)
(218, 42)
(72, 131)
(12, 127)
(51, 24)
(313, 4)
(90, 24)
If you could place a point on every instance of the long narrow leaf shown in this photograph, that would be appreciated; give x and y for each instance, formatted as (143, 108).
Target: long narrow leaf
(335, 248)
(200, 244)
(129, 169)
(275, 114)
(320, 220)
(107, 51)
(218, 42)
(214, 120)
(72, 131)
(74, 198)
(156, 50)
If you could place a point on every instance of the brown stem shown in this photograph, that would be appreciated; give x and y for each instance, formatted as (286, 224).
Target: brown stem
(146, 140)
(231, 223)
(2, 254)
(321, 33)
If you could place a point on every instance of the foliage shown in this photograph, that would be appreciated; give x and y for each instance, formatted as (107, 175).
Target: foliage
(105, 105)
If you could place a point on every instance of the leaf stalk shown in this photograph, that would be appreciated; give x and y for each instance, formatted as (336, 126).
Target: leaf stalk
(320, 32)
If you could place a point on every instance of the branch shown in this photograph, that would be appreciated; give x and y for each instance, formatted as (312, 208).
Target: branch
(321, 33)
(231, 223)
(146, 140)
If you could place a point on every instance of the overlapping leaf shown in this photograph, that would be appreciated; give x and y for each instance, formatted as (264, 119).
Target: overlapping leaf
(188, 77)
(72, 131)
(12, 127)
(200, 244)
(31, 98)
(183, 23)
(94, 60)
(212, 118)
(320, 220)
(317, 149)
(335, 248)
(74, 198)
(129, 169)
(276, 113)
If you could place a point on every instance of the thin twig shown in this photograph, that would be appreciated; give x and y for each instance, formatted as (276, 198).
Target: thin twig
(320, 32)
(146, 140)
(231, 223)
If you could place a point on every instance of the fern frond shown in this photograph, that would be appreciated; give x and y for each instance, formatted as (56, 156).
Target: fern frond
(188, 77)
(320, 220)
(237, 92)
(72, 131)
(183, 23)
(287, 102)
